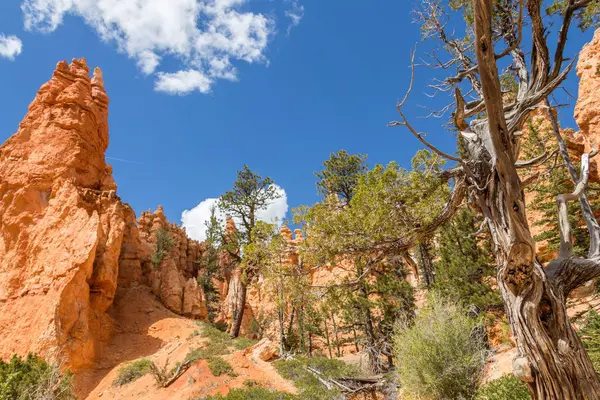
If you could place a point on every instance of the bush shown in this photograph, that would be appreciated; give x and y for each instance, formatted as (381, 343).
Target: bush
(221, 326)
(506, 388)
(255, 393)
(242, 343)
(164, 243)
(219, 342)
(442, 355)
(308, 385)
(250, 383)
(33, 378)
(218, 367)
(132, 372)
(160, 374)
(590, 336)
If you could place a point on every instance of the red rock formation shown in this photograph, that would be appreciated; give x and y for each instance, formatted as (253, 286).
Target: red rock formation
(66, 239)
(587, 108)
(173, 279)
(61, 223)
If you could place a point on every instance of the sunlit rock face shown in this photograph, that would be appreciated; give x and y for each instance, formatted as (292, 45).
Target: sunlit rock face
(66, 239)
(587, 108)
(172, 278)
(61, 222)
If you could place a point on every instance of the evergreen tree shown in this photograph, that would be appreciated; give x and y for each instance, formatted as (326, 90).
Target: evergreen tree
(465, 266)
(250, 194)
(341, 174)
(373, 305)
(210, 263)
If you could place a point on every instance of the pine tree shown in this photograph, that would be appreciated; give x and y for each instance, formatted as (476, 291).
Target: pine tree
(465, 266)
(250, 195)
(209, 263)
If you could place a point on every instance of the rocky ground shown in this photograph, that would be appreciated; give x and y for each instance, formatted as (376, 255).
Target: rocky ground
(145, 328)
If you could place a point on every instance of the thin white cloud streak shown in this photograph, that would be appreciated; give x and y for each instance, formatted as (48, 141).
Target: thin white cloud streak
(10, 46)
(194, 220)
(295, 14)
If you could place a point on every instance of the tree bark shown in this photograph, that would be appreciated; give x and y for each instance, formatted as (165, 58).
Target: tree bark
(327, 338)
(426, 263)
(282, 340)
(551, 358)
(238, 316)
(355, 338)
(335, 335)
(291, 323)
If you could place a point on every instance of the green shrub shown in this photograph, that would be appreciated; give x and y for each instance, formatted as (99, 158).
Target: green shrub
(506, 388)
(33, 378)
(255, 393)
(213, 332)
(590, 335)
(250, 383)
(222, 326)
(442, 355)
(307, 383)
(164, 243)
(218, 367)
(193, 334)
(209, 351)
(160, 374)
(132, 372)
(242, 343)
(219, 342)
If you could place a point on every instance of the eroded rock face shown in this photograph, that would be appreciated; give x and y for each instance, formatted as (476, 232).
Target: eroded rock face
(587, 108)
(173, 277)
(66, 239)
(61, 222)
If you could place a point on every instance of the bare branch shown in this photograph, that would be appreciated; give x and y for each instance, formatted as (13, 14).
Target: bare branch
(542, 158)
(517, 41)
(564, 30)
(586, 209)
(567, 274)
(412, 263)
(566, 245)
(404, 122)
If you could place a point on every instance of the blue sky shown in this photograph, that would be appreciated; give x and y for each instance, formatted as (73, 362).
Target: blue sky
(311, 77)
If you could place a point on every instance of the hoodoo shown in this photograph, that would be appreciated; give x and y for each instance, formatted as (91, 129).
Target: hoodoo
(61, 222)
(67, 241)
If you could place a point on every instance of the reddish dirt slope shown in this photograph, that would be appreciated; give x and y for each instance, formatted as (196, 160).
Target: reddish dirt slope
(145, 328)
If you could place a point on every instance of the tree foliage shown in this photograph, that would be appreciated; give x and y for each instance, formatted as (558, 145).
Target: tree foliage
(250, 194)
(442, 355)
(164, 244)
(340, 175)
(210, 263)
(465, 266)
(32, 378)
(388, 202)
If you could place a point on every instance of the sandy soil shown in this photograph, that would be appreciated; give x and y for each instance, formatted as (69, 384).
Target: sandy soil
(144, 328)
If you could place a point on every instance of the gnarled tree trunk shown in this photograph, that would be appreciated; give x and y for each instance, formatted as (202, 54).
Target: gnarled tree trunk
(552, 359)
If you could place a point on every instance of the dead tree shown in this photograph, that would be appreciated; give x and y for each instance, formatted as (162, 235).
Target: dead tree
(551, 357)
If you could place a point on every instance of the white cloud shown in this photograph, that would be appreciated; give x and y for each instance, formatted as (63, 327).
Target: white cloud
(10, 46)
(182, 82)
(194, 220)
(295, 14)
(204, 36)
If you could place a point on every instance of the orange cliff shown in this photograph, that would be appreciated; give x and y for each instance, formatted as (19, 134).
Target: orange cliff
(587, 108)
(587, 116)
(67, 242)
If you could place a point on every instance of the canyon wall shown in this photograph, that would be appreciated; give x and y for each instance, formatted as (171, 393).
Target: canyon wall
(61, 222)
(66, 239)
